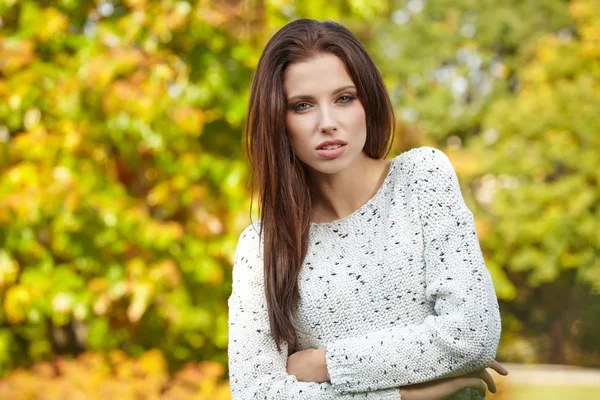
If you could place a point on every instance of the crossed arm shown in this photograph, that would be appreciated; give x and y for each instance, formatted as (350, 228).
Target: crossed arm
(310, 366)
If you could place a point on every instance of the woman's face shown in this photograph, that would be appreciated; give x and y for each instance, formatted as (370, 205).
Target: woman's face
(322, 107)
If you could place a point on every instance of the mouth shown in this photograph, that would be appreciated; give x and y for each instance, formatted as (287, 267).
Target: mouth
(331, 144)
(332, 150)
(331, 147)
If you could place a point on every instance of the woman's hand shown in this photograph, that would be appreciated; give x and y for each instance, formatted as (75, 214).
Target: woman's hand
(442, 388)
(308, 365)
(496, 366)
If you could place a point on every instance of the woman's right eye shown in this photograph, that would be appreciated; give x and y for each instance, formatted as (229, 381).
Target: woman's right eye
(301, 106)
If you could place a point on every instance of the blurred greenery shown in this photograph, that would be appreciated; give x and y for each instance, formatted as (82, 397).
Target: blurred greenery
(123, 185)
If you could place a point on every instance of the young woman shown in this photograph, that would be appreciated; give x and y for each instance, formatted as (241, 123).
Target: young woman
(363, 278)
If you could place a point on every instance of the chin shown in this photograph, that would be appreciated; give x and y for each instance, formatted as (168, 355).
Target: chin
(331, 166)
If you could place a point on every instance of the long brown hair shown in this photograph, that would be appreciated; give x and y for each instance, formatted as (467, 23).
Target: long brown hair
(282, 181)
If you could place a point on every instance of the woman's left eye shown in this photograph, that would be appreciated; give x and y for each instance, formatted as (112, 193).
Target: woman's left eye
(346, 99)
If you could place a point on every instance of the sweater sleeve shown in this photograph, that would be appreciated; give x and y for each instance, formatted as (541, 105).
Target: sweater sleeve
(463, 334)
(256, 369)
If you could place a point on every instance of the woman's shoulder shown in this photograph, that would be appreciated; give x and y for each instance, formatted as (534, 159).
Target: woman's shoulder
(247, 266)
(421, 165)
(249, 240)
(422, 158)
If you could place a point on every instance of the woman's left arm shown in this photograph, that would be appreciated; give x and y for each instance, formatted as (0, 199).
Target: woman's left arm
(463, 334)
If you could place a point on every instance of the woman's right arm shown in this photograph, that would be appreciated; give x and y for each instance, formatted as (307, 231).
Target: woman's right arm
(256, 369)
(442, 388)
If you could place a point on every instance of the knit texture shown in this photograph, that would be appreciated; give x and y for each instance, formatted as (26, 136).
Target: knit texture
(397, 292)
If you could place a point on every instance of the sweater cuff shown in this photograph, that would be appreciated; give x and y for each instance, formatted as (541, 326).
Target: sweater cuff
(340, 373)
(340, 369)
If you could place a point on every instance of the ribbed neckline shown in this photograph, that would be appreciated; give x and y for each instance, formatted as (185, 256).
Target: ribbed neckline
(356, 212)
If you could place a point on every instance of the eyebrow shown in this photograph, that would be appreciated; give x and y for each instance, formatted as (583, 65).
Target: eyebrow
(306, 96)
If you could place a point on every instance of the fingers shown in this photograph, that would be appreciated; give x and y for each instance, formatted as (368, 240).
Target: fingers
(498, 368)
(475, 380)
(485, 376)
(489, 381)
(472, 383)
(480, 387)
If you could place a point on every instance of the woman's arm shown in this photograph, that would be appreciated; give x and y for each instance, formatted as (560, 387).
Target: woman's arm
(256, 369)
(442, 388)
(463, 334)
(309, 366)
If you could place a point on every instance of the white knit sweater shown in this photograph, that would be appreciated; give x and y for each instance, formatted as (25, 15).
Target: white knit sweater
(397, 292)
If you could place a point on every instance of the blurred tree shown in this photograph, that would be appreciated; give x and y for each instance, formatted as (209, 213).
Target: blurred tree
(542, 147)
(122, 188)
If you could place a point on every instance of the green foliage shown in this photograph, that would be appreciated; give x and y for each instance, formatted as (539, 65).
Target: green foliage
(542, 147)
(121, 184)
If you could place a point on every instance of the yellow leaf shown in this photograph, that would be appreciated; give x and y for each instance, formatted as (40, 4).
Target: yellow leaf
(189, 119)
(98, 285)
(15, 54)
(9, 269)
(211, 370)
(152, 362)
(54, 23)
(16, 300)
(142, 293)
(159, 194)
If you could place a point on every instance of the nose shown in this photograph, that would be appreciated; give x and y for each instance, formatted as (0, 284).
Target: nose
(327, 123)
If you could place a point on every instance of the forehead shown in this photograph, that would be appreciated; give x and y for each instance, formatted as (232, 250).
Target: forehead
(320, 74)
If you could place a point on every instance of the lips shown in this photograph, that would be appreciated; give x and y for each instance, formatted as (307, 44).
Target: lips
(331, 143)
(334, 152)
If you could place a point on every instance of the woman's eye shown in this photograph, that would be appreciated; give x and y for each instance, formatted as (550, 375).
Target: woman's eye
(301, 106)
(346, 99)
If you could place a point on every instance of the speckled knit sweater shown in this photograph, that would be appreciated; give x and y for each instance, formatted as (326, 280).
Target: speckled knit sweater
(397, 292)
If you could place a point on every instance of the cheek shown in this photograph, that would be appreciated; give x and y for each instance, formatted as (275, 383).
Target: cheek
(358, 118)
(298, 128)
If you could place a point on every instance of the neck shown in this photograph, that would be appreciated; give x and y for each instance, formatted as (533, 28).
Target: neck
(338, 195)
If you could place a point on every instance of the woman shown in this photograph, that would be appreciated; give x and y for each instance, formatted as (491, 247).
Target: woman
(364, 278)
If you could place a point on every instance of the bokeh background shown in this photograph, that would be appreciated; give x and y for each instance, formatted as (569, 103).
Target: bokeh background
(124, 186)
